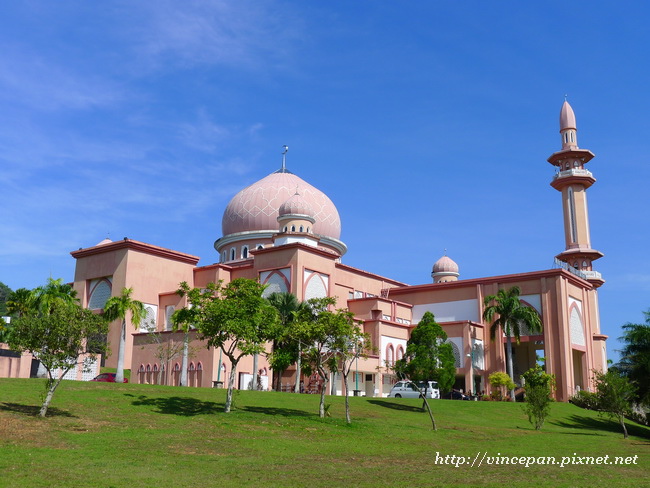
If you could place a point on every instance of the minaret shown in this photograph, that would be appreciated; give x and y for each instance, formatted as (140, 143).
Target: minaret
(572, 179)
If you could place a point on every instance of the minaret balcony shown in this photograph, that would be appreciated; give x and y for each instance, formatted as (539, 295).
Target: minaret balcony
(573, 172)
(592, 275)
(574, 175)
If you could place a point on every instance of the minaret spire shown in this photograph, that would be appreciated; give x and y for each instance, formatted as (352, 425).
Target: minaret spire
(573, 180)
(285, 150)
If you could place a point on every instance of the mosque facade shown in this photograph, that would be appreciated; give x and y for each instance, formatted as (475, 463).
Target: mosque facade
(286, 233)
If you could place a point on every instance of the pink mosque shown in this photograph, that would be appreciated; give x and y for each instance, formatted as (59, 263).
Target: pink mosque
(285, 233)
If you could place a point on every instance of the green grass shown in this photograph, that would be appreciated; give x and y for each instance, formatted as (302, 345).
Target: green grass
(108, 435)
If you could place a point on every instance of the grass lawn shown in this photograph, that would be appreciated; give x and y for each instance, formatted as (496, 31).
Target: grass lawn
(108, 435)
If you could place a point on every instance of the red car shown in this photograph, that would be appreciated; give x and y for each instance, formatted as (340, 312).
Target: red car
(107, 377)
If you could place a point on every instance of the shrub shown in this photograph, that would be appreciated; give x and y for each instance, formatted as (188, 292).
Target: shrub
(539, 387)
(499, 380)
(585, 399)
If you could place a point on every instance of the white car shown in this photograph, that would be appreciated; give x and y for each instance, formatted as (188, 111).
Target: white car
(406, 389)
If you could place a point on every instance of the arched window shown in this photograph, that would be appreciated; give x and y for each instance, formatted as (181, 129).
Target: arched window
(148, 323)
(141, 374)
(572, 216)
(301, 228)
(147, 377)
(390, 355)
(456, 352)
(260, 246)
(100, 295)
(293, 228)
(156, 376)
(224, 257)
(191, 375)
(244, 252)
(169, 311)
(176, 375)
(585, 265)
(285, 228)
(307, 230)
(232, 254)
(199, 374)
(163, 377)
(399, 354)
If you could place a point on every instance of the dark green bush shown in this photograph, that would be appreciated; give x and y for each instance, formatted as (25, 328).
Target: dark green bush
(585, 399)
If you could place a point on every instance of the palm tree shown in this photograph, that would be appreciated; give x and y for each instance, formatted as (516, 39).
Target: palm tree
(512, 314)
(55, 291)
(635, 357)
(118, 308)
(19, 302)
(287, 305)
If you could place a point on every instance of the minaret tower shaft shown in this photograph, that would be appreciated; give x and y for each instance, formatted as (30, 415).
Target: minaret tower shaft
(572, 179)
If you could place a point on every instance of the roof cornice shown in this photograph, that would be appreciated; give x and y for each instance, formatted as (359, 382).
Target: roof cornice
(131, 245)
(512, 278)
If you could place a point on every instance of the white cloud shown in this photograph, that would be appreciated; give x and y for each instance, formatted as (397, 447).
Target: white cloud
(194, 32)
(28, 78)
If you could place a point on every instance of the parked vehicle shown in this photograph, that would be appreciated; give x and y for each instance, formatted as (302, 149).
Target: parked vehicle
(406, 389)
(107, 378)
(455, 395)
(431, 388)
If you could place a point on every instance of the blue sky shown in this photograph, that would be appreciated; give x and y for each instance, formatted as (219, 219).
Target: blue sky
(427, 123)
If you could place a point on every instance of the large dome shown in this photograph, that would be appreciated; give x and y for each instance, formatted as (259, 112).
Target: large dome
(256, 207)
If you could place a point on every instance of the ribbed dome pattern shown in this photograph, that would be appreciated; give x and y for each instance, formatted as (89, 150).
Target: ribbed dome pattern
(257, 207)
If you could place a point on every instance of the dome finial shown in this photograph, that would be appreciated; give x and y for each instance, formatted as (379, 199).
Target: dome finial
(285, 150)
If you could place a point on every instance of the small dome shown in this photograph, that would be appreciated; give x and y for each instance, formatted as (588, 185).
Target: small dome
(445, 265)
(104, 241)
(567, 117)
(296, 205)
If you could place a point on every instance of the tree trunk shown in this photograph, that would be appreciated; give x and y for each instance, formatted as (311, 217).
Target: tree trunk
(119, 374)
(321, 407)
(231, 385)
(510, 369)
(622, 420)
(426, 405)
(255, 356)
(296, 388)
(186, 347)
(433, 421)
(52, 385)
(346, 392)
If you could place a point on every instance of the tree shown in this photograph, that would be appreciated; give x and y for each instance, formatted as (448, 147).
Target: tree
(512, 314)
(235, 318)
(286, 348)
(44, 298)
(20, 302)
(615, 395)
(321, 333)
(539, 387)
(349, 343)
(428, 357)
(181, 321)
(5, 292)
(118, 308)
(58, 338)
(499, 380)
(635, 357)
